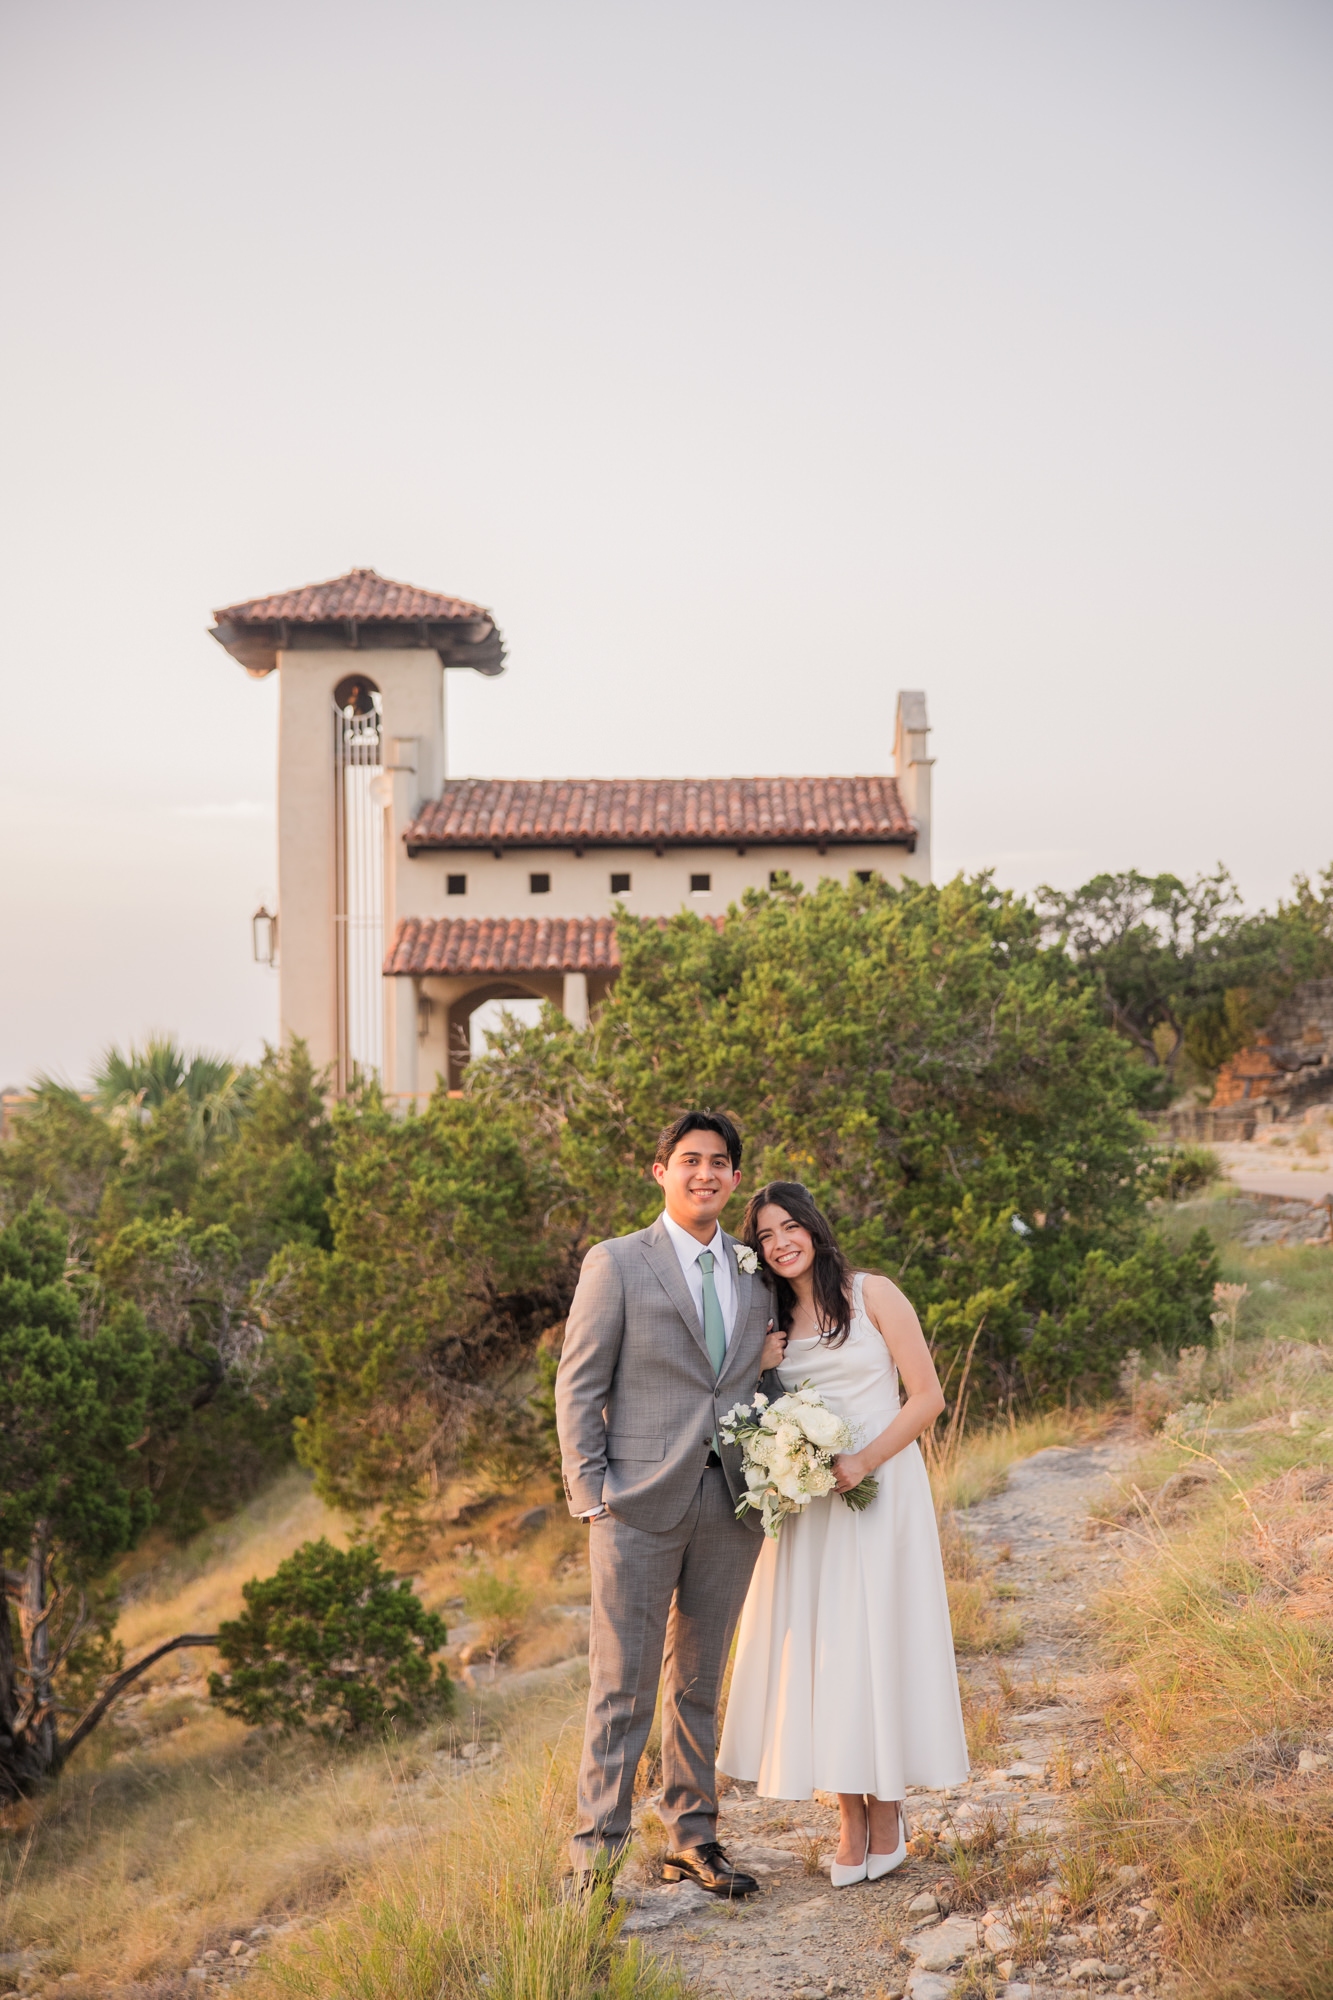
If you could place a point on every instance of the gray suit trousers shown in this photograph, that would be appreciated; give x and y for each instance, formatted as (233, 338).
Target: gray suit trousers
(671, 1598)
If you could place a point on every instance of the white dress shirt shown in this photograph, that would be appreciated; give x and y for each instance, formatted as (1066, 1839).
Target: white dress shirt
(689, 1249)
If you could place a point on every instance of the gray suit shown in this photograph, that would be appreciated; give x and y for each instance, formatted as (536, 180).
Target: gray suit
(636, 1405)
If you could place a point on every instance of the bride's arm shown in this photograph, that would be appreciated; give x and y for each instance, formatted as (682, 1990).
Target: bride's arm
(923, 1398)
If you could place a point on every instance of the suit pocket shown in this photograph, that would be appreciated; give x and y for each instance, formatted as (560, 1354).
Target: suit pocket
(620, 1444)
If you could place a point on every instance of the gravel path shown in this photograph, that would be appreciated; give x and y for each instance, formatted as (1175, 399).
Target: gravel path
(802, 1937)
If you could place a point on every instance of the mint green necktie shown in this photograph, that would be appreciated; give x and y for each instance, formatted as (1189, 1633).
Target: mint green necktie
(715, 1331)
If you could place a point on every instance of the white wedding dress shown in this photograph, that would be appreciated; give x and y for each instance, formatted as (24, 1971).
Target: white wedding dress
(844, 1678)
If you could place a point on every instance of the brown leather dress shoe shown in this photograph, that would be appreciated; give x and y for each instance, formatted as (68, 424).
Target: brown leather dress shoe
(710, 1868)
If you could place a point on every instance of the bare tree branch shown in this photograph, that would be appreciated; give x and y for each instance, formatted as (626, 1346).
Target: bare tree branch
(91, 1716)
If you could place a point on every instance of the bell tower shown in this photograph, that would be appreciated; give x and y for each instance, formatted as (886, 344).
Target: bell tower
(361, 746)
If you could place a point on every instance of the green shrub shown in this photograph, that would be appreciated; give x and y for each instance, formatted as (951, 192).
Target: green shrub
(1177, 1171)
(331, 1640)
(1154, 1298)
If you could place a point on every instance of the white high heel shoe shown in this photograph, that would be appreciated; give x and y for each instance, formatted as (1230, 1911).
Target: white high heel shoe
(878, 1865)
(842, 1877)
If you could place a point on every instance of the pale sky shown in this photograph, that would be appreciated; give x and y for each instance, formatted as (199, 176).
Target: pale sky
(749, 360)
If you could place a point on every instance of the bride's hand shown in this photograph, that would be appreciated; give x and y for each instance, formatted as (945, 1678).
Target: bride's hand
(848, 1470)
(775, 1349)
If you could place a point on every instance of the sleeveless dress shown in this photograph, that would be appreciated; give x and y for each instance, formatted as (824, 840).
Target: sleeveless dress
(844, 1678)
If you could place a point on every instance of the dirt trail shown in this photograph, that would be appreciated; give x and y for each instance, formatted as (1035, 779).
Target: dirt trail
(801, 1936)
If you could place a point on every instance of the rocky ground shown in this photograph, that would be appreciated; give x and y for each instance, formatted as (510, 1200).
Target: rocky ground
(901, 1936)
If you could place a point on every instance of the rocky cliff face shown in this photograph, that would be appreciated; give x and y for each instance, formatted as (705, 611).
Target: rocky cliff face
(1290, 1065)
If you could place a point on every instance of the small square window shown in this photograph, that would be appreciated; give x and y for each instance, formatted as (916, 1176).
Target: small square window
(620, 885)
(539, 885)
(865, 876)
(458, 885)
(700, 884)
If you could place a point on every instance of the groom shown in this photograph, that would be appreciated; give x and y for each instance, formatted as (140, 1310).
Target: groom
(666, 1332)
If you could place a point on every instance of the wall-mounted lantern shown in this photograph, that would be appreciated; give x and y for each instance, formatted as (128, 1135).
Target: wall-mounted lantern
(264, 930)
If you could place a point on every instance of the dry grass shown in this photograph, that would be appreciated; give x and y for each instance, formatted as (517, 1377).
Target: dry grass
(652, 1844)
(175, 1831)
(404, 1880)
(977, 1626)
(477, 1908)
(976, 1981)
(968, 1466)
(984, 1722)
(191, 1589)
(996, 1864)
(972, 1465)
(1222, 1630)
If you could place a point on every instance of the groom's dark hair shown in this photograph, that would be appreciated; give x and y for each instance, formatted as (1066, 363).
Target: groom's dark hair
(698, 1121)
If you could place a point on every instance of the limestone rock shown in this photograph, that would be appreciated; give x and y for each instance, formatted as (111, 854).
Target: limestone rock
(753, 1855)
(659, 1907)
(1087, 1968)
(1312, 1760)
(929, 1986)
(1000, 1939)
(944, 1944)
(923, 1906)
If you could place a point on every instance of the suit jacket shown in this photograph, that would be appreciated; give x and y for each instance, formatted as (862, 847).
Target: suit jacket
(636, 1401)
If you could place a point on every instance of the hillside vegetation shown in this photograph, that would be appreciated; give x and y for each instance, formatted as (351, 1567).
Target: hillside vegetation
(405, 1865)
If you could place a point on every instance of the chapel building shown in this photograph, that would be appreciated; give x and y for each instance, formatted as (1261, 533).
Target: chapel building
(408, 898)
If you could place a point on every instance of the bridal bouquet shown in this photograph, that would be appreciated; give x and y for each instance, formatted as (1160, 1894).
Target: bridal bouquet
(788, 1448)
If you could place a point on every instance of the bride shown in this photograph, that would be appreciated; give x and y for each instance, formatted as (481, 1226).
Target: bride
(844, 1678)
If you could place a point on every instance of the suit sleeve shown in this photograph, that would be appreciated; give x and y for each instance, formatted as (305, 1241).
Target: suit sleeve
(593, 1335)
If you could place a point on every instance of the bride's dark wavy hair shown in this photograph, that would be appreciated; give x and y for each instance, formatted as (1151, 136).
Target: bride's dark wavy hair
(833, 1274)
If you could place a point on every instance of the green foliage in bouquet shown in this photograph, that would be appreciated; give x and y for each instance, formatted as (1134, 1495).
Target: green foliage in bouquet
(332, 1641)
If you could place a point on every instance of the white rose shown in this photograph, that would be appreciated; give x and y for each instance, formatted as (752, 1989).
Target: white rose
(822, 1427)
(770, 1420)
(788, 1437)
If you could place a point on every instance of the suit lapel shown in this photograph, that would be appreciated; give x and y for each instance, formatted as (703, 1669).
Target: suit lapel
(660, 1253)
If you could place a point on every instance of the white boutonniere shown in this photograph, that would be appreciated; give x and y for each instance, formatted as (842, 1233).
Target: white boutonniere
(747, 1259)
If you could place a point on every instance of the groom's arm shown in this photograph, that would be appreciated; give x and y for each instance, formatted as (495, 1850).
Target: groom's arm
(593, 1333)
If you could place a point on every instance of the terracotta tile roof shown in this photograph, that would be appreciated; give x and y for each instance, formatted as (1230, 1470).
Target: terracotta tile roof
(361, 594)
(503, 944)
(648, 812)
(362, 610)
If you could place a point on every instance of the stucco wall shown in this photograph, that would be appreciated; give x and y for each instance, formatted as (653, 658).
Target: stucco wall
(411, 685)
(660, 884)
